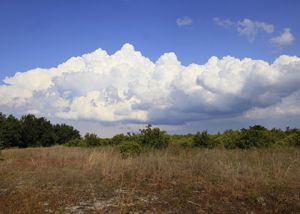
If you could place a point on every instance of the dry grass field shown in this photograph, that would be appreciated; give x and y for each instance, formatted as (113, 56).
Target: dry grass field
(81, 180)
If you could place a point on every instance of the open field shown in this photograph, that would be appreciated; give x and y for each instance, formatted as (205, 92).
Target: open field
(82, 180)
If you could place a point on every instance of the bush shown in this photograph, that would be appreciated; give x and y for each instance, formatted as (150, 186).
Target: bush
(186, 144)
(130, 149)
(203, 140)
(255, 136)
(292, 139)
(92, 140)
(118, 139)
(76, 143)
(184, 141)
(230, 138)
(154, 138)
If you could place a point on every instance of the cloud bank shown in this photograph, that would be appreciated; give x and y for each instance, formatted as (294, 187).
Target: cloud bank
(127, 87)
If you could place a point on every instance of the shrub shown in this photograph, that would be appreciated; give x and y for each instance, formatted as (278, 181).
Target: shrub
(255, 136)
(154, 138)
(118, 139)
(230, 138)
(185, 144)
(292, 139)
(92, 140)
(130, 149)
(184, 141)
(203, 140)
(76, 143)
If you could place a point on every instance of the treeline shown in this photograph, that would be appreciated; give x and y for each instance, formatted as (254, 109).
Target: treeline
(129, 144)
(253, 137)
(31, 131)
(256, 136)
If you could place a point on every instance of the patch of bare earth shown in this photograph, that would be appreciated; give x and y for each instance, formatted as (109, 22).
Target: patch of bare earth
(76, 180)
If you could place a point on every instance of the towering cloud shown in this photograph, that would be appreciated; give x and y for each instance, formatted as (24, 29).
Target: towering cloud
(127, 87)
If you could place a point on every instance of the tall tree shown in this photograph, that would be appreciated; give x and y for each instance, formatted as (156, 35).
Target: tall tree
(65, 133)
(11, 132)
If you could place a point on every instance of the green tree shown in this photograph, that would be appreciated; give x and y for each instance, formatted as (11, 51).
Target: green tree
(65, 133)
(11, 132)
(37, 132)
(2, 121)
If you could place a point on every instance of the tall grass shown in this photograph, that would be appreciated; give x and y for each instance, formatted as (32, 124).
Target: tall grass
(173, 180)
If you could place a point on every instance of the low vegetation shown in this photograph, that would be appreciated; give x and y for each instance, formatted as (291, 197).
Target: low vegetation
(173, 180)
(30, 131)
(252, 170)
(153, 138)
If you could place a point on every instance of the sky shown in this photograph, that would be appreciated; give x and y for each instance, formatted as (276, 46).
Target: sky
(113, 66)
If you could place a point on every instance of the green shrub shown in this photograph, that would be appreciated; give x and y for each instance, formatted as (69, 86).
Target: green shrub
(186, 144)
(292, 139)
(184, 141)
(255, 136)
(105, 141)
(92, 140)
(203, 140)
(154, 138)
(76, 143)
(130, 149)
(118, 139)
(230, 138)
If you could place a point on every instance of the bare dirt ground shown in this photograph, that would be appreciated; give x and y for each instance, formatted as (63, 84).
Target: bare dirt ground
(77, 180)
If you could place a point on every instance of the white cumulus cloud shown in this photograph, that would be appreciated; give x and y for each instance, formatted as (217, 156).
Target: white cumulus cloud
(127, 87)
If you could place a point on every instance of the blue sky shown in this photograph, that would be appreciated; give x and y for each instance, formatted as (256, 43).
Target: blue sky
(46, 33)
(133, 78)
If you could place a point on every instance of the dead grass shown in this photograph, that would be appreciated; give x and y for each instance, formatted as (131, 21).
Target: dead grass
(77, 180)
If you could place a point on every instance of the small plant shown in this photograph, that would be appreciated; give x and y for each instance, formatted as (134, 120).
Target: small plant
(130, 149)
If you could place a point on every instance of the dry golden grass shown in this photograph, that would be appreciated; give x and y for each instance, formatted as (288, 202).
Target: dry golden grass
(77, 180)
